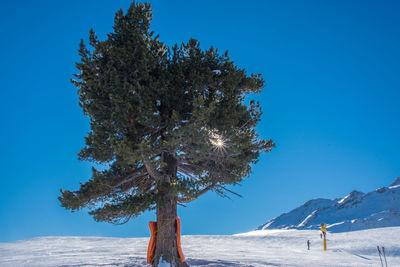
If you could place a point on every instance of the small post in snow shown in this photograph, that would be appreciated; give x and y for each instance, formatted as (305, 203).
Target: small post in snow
(380, 257)
(323, 230)
(384, 255)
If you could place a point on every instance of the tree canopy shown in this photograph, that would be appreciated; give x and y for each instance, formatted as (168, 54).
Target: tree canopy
(176, 119)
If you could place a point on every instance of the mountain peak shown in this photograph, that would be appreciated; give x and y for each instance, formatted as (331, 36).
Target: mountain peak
(351, 197)
(396, 182)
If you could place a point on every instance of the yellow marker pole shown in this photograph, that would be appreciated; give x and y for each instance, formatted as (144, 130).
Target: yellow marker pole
(323, 230)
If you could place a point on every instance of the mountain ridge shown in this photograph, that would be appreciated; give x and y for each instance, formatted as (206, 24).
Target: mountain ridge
(355, 211)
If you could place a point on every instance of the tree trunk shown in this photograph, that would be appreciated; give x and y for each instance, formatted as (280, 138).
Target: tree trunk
(166, 245)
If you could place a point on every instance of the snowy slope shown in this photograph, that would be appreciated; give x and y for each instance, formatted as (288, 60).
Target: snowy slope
(356, 211)
(258, 248)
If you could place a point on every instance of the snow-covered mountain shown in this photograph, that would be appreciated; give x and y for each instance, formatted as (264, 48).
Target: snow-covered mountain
(356, 211)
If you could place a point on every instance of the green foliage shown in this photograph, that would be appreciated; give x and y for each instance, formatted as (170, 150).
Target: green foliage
(148, 102)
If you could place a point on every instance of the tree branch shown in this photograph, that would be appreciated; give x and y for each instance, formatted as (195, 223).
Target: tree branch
(151, 171)
(201, 192)
(230, 191)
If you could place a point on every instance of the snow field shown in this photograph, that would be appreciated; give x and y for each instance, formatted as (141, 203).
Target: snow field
(257, 248)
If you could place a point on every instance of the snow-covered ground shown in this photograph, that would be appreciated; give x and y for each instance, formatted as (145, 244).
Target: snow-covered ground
(258, 248)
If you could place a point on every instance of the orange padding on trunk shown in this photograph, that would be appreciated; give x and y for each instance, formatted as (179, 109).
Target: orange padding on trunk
(151, 250)
(178, 238)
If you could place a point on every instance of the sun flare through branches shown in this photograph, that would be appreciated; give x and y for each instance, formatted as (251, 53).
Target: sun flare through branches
(217, 140)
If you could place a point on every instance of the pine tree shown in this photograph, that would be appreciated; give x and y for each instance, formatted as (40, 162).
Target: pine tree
(169, 124)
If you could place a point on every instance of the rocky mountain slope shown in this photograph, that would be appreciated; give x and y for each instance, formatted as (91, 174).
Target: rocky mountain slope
(356, 211)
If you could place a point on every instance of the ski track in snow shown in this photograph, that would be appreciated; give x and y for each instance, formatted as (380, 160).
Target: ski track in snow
(253, 249)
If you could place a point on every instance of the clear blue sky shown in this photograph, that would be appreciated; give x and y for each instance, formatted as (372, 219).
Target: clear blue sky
(332, 105)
